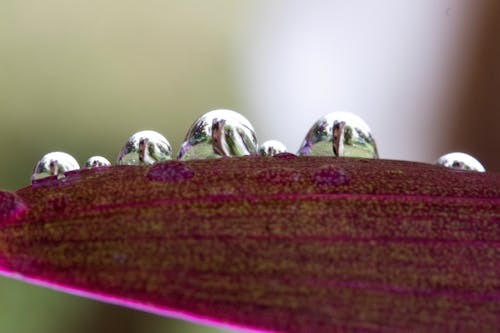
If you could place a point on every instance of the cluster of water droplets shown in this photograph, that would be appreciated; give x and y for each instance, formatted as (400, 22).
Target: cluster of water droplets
(225, 133)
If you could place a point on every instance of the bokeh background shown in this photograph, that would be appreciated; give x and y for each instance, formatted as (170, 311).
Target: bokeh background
(81, 76)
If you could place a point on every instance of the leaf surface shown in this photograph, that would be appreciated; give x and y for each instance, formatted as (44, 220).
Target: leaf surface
(288, 244)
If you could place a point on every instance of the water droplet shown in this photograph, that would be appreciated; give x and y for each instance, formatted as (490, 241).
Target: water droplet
(285, 156)
(96, 162)
(460, 161)
(329, 175)
(54, 164)
(11, 207)
(145, 147)
(219, 133)
(341, 134)
(271, 148)
(169, 171)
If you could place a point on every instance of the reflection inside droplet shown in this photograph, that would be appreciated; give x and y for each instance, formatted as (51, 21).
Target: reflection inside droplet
(145, 147)
(271, 148)
(54, 164)
(340, 134)
(219, 133)
(96, 162)
(460, 161)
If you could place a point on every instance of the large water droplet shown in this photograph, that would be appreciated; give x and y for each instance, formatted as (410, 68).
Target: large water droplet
(219, 133)
(145, 147)
(96, 162)
(169, 171)
(329, 175)
(271, 148)
(11, 207)
(54, 164)
(460, 161)
(340, 134)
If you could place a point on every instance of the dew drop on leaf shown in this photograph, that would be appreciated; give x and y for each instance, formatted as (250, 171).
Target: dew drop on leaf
(96, 162)
(271, 148)
(219, 133)
(143, 148)
(340, 134)
(54, 164)
(460, 161)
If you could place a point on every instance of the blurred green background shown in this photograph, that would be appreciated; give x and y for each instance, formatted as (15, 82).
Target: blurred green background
(81, 76)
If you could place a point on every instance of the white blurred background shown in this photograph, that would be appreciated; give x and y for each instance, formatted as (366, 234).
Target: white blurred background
(397, 64)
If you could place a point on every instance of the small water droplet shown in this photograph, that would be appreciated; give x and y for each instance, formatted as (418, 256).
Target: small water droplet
(219, 133)
(96, 162)
(145, 147)
(169, 171)
(460, 161)
(341, 134)
(12, 207)
(329, 175)
(271, 148)
(285, 156)
(54, 164)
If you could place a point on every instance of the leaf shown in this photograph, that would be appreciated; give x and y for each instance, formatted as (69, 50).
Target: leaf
(292, 244)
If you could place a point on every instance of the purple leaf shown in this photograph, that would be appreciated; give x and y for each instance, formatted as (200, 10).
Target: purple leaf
(291, 244)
